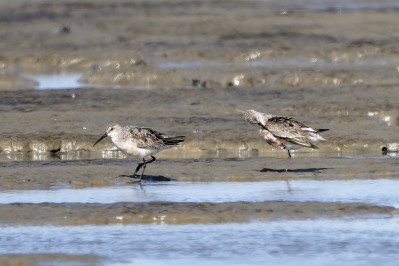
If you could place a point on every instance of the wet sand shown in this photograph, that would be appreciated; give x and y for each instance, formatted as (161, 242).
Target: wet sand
(191, 68)
(49, 259)
(180, 213)
(107, 172)
(71, 120)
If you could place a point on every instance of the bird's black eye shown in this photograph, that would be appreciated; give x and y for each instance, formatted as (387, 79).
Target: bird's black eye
(111, 129)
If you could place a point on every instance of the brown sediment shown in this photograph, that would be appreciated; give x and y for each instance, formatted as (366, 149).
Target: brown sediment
(315, 68)
(21, 259)
(126, 47)
(45, 121)
(179, 213)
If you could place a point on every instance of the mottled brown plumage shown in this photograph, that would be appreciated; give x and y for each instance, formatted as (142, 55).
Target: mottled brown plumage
(139, 142)
(284, 132)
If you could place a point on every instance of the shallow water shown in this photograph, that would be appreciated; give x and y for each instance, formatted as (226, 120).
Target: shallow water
(380, 192)
(320, 242)
(57, 81)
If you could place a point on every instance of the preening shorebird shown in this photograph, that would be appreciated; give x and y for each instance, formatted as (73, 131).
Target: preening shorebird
(284, 132)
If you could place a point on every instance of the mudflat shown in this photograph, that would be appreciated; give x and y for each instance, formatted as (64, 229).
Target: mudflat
(191, 68)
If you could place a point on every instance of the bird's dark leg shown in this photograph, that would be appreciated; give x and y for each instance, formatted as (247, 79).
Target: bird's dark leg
(145, 165)
(289, 160)
(138, 168)
(286, 170)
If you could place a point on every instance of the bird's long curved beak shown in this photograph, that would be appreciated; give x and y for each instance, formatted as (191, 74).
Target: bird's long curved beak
(263, 126)
(103, 136)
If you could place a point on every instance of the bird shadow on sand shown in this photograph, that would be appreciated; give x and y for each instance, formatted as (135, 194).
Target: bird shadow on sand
(300, 170)
(151, 178)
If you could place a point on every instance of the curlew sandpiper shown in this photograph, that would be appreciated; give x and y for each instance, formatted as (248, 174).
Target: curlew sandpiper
(139, 142)
(284, 132)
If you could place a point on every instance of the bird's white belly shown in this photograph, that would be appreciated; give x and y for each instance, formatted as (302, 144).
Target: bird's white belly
(130, 148)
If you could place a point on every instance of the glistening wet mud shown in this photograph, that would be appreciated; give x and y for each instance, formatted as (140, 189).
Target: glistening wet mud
(181, 213)
(191, 68)
(109, 172)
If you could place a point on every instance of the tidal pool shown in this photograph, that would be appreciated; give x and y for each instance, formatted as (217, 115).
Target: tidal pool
(57, 81)
(380, 192)
(308, 242)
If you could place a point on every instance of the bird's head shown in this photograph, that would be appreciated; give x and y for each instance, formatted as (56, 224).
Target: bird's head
(112, 129)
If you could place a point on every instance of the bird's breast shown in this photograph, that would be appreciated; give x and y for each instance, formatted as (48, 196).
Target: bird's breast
(271, 139)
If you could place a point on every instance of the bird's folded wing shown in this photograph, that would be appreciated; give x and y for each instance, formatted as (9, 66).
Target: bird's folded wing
(290, 130)
(146, 137)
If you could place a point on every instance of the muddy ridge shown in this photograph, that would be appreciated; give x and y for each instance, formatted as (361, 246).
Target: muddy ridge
(22, 259)
(178, 213)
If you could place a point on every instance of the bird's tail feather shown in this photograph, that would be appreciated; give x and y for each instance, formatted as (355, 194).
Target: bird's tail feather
(173, 140)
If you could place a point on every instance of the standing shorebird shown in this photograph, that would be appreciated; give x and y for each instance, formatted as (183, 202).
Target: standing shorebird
(284, 132)
(139, 142)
